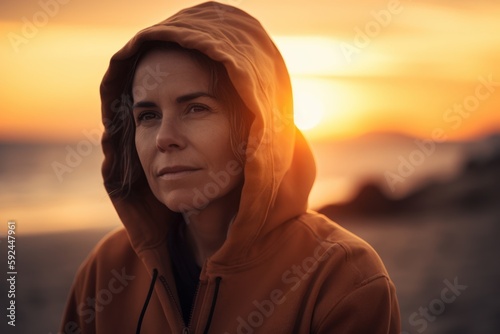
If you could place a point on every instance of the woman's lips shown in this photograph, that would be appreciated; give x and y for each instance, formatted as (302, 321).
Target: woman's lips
(176, 172)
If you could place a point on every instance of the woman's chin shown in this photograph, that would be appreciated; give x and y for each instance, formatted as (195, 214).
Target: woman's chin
(182, 202)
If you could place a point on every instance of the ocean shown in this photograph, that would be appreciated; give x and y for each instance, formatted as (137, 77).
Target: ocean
(52, 187)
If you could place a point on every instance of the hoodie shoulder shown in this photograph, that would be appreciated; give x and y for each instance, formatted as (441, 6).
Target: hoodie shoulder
(112, 246)
(355, 292)
(110, 259)
(354, 253)
(112, 251)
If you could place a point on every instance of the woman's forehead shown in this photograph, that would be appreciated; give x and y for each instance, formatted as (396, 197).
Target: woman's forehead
(169, 68)
(160, 62)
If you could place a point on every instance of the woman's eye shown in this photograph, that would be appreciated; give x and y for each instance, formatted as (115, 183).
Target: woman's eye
(146, 116)
(197, 108)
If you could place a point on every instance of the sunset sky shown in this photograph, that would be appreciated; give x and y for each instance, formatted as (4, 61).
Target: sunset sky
(356, 66)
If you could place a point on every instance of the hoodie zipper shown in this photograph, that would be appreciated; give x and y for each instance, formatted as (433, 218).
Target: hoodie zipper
(187, 327)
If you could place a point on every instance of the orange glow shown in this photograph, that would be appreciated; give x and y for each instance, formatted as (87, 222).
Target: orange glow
(428, 59)
(52, 82)
(406, 78)
(310, 55)
(309, 106)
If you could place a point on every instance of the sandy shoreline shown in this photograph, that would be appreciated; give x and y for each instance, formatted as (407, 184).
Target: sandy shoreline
(421, 253)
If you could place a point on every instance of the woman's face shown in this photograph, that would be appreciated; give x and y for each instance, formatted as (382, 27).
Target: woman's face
(182, 133)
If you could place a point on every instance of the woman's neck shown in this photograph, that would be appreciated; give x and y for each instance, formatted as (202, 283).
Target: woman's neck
(207, 228)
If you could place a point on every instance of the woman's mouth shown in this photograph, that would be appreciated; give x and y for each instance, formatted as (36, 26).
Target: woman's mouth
(176, 172)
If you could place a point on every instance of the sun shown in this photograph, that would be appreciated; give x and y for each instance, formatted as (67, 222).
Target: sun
(309, 107)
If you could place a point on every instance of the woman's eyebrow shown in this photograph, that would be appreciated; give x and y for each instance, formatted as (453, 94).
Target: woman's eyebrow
(144, 104)
(180, 99)
(192, 96)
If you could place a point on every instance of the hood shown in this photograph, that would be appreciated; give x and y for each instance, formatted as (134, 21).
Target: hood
(279, 170)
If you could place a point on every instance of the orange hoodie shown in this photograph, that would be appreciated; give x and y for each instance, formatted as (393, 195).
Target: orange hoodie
(282, 268)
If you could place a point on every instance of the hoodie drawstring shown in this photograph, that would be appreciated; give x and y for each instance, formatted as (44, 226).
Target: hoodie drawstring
(214, 301)
(148, 298)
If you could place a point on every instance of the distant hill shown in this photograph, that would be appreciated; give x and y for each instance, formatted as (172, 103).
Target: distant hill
(476, 187)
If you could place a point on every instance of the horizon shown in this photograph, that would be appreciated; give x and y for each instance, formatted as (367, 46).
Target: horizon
(46, 192)
(371, 135)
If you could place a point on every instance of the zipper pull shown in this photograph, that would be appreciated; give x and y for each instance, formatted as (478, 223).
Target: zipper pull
(186, 330)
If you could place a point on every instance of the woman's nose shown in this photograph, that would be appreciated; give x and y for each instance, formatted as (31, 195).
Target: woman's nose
(170, 135)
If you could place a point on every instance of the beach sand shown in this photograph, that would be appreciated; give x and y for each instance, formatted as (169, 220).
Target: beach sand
(421, 252)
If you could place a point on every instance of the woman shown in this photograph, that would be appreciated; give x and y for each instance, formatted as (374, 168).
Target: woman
(211, 178)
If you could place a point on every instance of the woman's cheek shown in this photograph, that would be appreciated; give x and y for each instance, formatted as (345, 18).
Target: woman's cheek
(145, 146)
